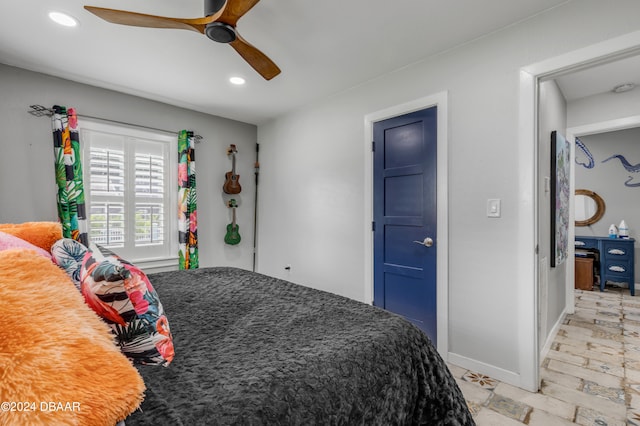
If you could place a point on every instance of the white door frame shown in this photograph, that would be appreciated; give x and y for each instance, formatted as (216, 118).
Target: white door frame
(442, 246)
(528, 202)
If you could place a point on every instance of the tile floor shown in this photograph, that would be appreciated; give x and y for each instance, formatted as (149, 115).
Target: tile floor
(591, 375)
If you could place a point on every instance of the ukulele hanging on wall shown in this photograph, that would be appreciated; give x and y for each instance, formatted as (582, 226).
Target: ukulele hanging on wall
(232, 180)
(232, 237)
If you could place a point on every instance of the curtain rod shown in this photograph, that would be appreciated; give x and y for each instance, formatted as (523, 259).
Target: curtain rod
(41, 111)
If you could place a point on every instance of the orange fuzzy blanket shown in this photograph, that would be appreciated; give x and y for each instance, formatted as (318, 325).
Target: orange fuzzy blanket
(58, 362)
(41, 234)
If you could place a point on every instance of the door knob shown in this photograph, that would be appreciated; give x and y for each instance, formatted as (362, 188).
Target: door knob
(428, 242)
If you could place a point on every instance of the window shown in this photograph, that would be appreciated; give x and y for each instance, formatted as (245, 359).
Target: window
(130, 188)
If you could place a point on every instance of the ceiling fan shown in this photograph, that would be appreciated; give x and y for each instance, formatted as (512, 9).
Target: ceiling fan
(219, 24)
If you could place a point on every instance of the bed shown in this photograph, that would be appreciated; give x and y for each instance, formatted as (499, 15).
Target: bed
(242, 348)
(252, 349)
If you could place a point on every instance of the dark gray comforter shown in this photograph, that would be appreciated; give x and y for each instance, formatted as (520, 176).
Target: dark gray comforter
(254, 350)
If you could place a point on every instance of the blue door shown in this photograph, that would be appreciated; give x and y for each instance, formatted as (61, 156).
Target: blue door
(405, 217)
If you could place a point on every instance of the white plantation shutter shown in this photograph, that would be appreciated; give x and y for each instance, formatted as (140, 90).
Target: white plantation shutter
(149, 187)
(150, 175)
(107, 224)
(107, 171)
(149, 224)
(131, 190)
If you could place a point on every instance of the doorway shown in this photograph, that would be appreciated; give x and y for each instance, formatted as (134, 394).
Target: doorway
(404, 211)
(530, 300)
(587, 130)
(438, 100)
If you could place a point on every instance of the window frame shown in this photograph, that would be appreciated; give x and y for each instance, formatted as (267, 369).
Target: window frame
(150, 256)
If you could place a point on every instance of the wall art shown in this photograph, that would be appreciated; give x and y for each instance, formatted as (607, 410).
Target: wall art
(560, 193)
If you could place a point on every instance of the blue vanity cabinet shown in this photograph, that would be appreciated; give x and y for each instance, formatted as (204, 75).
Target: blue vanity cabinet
(617, 257)
(587, 242)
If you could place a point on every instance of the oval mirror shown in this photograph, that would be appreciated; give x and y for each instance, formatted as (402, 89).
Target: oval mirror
(589, 207)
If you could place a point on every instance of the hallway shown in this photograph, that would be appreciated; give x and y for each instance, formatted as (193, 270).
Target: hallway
(591, 375)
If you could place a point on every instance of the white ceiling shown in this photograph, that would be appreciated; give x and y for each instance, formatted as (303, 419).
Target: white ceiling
(322, 47)
(600, 79)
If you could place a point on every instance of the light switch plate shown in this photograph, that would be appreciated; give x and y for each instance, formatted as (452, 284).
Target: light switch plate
(493, 207)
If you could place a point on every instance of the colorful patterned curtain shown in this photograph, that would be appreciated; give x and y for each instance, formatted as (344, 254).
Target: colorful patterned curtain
(66, 148)
(187, 199)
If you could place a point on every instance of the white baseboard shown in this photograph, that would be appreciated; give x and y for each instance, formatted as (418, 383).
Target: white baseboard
(150, 266)
(552, 335)
(501, 374)
(490, 370)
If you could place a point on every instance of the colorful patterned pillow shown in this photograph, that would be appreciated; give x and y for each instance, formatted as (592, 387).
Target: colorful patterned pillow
(68, 255)
(8, 241)
(123, 296)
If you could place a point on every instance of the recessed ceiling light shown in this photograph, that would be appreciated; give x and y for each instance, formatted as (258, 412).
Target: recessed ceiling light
(621, 88)
(63, 19)
(238, 81)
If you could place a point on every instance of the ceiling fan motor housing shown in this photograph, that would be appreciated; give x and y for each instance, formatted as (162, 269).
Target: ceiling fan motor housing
(212, 6)
(220, 32)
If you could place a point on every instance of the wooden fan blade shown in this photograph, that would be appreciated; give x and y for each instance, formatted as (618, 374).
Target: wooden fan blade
(235, 9)
(134, 19)
(258, 60)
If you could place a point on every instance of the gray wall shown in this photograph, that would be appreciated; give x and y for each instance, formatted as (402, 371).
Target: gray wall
(608, 180)
(314, 166)
(551, 292)
(27, 185)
